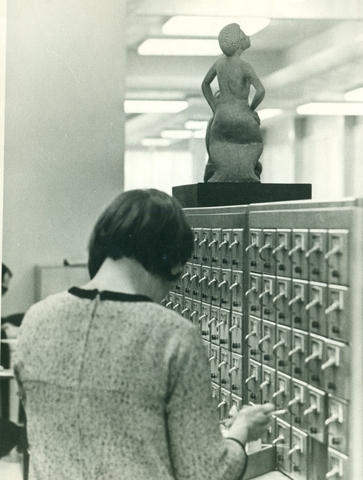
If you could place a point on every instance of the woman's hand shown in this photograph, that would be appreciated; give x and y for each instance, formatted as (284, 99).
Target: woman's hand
(250, 422)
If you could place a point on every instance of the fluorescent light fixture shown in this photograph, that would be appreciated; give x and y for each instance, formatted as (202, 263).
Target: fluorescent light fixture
(152, 94)
(331, 108)
(179, 47)
(191, 26)
(177, 134)
(155, 142)
(266, 113)
(155, 106)
(355, 95)
(199, 134)
(196, 124)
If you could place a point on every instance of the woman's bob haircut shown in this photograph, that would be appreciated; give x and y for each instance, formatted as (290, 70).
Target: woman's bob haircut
(146, 225)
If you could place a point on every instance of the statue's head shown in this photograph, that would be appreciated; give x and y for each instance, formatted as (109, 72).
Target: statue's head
(232, 39)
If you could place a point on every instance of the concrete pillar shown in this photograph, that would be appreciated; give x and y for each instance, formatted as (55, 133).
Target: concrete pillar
(64, 131)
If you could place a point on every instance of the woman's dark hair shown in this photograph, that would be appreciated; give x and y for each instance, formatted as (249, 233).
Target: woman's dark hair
(147, 225)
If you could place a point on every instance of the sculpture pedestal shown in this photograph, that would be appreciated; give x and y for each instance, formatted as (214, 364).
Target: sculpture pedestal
(219, 194)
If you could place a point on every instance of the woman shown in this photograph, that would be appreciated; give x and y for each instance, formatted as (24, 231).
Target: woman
(234, 140)
(115, 385)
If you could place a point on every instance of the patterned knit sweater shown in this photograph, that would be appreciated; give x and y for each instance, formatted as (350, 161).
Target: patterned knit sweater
(117, 387)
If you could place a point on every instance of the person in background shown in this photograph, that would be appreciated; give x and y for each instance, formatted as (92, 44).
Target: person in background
(6, 275)
(10, 324)
(10, 432)
(115, 385)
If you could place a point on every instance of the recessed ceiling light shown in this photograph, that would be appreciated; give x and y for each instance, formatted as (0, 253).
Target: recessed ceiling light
(195, 26)
(155, 142)
(155, 106)
(180, 47)
(355, 95)
(196, 124)
(266, 113)
(330, 108)
(177, 134)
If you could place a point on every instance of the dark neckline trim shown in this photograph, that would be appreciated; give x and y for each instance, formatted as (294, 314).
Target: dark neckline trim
(107, 295)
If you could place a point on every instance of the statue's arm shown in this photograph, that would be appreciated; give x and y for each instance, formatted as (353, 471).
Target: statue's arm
(257, 84)
(206, 88)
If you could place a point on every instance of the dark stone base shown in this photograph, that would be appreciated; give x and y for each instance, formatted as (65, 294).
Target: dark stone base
(219, 194)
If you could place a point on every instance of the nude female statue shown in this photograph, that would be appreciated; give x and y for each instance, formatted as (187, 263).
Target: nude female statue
(233, 140)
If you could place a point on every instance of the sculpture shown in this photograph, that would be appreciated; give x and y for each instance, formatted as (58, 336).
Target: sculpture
(233, 138)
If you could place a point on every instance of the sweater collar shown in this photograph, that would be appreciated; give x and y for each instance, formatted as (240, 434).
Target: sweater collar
(108, 295)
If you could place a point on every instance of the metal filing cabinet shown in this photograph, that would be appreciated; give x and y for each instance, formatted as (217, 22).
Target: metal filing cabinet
(275, 291)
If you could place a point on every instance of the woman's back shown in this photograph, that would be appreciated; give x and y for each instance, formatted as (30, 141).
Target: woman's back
(110, 387)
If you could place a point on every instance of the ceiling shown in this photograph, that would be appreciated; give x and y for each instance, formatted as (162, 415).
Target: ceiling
(310, 51)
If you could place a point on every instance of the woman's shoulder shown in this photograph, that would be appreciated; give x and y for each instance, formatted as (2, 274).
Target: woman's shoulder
(165, 328)
(169, 318)
(50, 304)
(173, 329)
(49, 301)
(170, 324)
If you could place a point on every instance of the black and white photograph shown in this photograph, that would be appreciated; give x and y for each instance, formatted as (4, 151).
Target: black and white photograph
(181, 236)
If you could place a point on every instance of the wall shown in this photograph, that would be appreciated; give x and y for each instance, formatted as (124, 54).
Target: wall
(354, 158)
(158, 169)
(320, 155)
(278, 157)
(63, 131)
(166, 168)
(326, 151)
